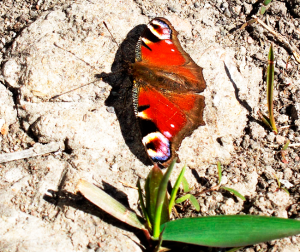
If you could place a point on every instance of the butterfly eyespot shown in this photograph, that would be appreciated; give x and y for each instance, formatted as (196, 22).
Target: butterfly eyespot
(156, 26)
(158, 146)
(159, 29)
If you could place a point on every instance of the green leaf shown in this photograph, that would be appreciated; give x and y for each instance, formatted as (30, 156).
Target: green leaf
(109, 204)
(219, 171)
(175, 189)
(161, 198)
(266, 2)
(286, 190)
(142, 204)
(192, 198)
(270, 88)
(185, 184)
(195, 202)
(151, 188)
(183, 198)
(236, 193)
(263, 10)
(286, 145)
(229, 231)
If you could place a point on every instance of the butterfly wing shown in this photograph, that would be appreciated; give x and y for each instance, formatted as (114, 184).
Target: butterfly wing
(166, 81)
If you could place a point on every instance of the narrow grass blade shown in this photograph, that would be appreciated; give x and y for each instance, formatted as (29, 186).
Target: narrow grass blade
(270, 88)
(109, 204)
(161, 196)
(219, 171)
(278, 181)
(229, 231)
(263, 8)
(283, 157)
(142, 204)
(265, 120)
(286, 190)
(236, 193)
(286, 145)
(192, 198)
(175, 189)
(185, 184)
(266, 2)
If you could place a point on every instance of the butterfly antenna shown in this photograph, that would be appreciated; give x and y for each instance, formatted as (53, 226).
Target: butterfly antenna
(88, 64)
(71, 90)
(100, 76)
(113, 38)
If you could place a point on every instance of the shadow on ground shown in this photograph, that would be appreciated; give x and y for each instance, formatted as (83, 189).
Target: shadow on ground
(120, 96)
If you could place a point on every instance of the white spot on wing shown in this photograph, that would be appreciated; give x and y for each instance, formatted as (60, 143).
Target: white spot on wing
(142, 115)
(167, 134)
(146, 41)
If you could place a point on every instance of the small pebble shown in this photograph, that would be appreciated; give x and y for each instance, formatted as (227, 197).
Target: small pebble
(280, 139)
(172, 8)
(114, 167)
(227, 13)
(243, 50)
(110, 110)
(248, 8)
(282, 119)
(250, 40)
(70, 214)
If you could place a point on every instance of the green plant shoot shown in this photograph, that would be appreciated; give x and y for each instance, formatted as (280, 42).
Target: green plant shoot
(234, 192)
(270, 88)
(215, 231)
(162, 191)
(270, 121)
(264, 7)
(175, 189)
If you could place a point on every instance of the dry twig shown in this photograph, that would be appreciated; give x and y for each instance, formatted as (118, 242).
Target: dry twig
(280, 38)
(36, 150)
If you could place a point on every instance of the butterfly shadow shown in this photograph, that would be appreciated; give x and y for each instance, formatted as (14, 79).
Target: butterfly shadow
(120, 97)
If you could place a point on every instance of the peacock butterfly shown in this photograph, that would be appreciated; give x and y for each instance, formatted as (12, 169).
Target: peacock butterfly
(166, 83)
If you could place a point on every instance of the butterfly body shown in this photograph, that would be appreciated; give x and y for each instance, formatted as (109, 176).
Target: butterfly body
(165, 92)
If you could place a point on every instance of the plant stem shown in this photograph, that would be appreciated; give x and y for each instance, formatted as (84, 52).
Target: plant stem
(270, 87)
(160, 199)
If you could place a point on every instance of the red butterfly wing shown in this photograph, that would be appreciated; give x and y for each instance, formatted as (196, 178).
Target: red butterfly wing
(166, 80)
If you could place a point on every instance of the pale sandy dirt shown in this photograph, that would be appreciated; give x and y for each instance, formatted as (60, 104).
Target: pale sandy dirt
(49, 47)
